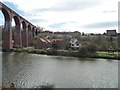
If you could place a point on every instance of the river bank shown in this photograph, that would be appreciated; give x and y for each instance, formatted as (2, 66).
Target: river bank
(71, 53)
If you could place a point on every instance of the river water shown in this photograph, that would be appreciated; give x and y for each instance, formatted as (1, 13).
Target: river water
(30, 70)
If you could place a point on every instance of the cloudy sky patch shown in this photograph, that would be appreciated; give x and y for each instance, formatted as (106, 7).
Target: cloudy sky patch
(101, 25)
(68, 15)
(57, 25)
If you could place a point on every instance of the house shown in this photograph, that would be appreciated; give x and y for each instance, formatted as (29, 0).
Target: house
(111, 32)
(48, 43)
(57, 43)
(41, 43)
(74, 44)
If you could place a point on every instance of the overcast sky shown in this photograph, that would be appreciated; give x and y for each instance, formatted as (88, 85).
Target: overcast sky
(89, 16)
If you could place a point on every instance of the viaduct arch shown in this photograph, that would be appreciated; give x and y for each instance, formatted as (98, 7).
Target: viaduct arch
(23, 33)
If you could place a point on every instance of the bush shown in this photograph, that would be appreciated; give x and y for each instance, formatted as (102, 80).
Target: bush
(92, 48)
(88, 50)
(52, 51)
(83, 51)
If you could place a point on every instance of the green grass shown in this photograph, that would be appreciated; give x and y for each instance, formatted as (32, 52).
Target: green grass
(106, 54)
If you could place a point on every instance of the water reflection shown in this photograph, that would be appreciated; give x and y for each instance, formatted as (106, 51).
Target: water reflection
(29, 70)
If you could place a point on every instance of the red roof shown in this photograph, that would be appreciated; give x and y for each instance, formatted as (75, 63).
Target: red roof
(50, 40)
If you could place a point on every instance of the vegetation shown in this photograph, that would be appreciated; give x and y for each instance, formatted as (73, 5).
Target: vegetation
(88, 50)
(102, 42)
(106, 54)
(83, 51)
(92, 48)
(51, 51)
(94, 45)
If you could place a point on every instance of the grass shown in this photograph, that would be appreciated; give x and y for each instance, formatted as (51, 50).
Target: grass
(98, 54)
(103, 54)
(25, 49)
(106, 54)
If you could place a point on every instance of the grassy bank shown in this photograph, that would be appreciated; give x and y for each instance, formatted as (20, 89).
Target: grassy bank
(115, 55)
(99, 54)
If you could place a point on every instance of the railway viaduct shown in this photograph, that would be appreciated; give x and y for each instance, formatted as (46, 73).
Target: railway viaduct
(23, 33)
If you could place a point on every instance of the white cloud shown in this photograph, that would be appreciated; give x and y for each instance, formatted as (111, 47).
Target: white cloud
(30, 5)
(49, 12)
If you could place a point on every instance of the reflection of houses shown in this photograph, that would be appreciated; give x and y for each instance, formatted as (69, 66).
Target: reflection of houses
(48, 43)
(74, 43)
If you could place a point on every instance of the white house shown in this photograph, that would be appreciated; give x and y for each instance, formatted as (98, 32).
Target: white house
(74, 44)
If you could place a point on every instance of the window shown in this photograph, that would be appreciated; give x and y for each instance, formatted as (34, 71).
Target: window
(77, 44)
(72, 44)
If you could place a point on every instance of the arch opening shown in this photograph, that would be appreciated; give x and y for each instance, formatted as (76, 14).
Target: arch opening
(16, 32)
(33, 31)
(23, 26)
(13, 30)
(6, 15)
(2, 21)
(36, 32)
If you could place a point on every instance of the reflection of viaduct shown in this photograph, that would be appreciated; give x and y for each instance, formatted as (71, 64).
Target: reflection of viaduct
(23, 33)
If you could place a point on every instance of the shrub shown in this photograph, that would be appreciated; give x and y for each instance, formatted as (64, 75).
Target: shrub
(52, 51)
(92, 48)
(88, 50)
(83, 51)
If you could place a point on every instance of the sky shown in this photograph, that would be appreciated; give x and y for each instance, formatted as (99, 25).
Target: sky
(88, 16)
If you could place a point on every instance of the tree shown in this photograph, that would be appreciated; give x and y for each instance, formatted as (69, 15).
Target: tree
(39, 29)
(92, 48)
(55, 45)
(83, 34)
(83, 51)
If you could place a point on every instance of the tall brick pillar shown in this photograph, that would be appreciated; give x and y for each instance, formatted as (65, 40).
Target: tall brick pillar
(24, 38)
(7, 43)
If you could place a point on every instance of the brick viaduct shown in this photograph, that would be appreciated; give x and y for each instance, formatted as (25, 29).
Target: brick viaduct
(23, 33)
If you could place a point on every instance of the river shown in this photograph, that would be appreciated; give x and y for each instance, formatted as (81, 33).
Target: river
(30, 70)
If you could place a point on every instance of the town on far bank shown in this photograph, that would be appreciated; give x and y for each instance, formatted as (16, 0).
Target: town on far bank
(78, 44)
